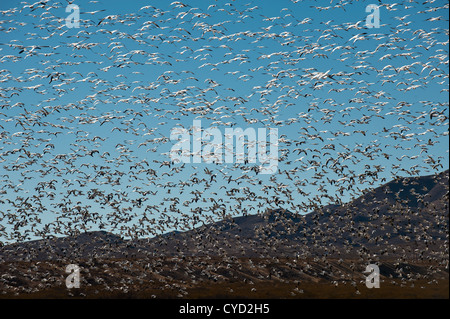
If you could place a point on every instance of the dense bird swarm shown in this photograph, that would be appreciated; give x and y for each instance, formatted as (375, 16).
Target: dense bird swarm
(86, 116)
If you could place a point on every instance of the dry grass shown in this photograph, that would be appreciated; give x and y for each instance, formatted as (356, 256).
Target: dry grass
(210, 278)
(262, 290)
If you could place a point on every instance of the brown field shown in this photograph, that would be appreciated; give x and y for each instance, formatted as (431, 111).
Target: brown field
(167, 278)
(394, 289)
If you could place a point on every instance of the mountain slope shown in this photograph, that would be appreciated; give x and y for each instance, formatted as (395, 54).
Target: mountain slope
(407, 217)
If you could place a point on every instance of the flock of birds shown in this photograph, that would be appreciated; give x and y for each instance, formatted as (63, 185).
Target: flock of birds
(86, 113)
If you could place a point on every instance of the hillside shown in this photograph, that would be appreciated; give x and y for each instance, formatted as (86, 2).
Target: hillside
(407, 218)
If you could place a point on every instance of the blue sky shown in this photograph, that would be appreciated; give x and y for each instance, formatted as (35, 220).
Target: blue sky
(113, 85)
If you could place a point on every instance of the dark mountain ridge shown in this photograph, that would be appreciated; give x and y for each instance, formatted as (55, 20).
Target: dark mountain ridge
(407, 216)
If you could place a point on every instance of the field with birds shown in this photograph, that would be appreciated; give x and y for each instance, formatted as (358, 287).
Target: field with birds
(227, 149)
